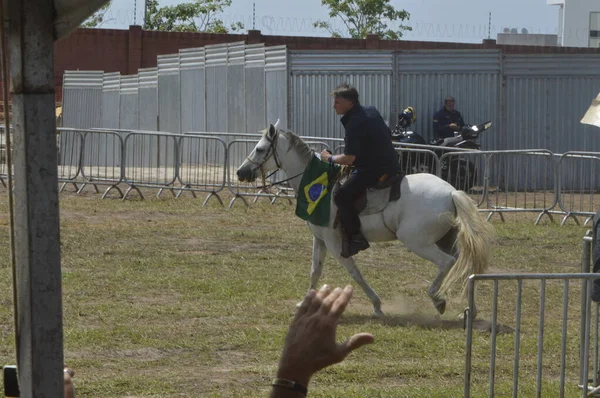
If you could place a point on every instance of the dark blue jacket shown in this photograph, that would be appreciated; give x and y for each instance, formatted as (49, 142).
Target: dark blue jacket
(369, 139)
(441, 121)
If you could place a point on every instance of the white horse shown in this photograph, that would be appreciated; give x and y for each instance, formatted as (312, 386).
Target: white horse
(431, 218)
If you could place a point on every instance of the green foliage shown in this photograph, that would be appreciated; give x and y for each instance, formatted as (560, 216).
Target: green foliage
(195, 16)
(98, 18)
(362, 17)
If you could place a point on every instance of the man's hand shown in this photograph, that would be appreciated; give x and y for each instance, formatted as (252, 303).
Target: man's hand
(325, 155)
(310, 344)
(454, 126)
(347, 160)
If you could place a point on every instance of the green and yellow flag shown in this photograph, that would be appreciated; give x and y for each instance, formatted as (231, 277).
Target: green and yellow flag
(314, 195)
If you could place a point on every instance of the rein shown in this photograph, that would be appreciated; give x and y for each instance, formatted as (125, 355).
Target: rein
(278, 182)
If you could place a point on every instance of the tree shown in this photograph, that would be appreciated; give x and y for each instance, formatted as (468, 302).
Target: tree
(195, 16)
(362, 17)
(98, 18)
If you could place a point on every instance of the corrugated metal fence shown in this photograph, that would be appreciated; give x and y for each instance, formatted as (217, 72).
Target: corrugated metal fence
(534, 101)
(315, 74)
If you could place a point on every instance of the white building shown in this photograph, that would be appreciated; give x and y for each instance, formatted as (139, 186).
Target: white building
(578, 22)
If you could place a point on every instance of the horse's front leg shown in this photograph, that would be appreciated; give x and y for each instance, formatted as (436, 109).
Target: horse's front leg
(319, 252)
(335, 248)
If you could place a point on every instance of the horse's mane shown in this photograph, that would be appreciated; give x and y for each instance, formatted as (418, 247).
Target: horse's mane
(295, 143)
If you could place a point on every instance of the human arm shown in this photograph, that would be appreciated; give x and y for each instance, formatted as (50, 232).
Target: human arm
(457, 122)
(68, 383)
(346, 160)
(310, 344)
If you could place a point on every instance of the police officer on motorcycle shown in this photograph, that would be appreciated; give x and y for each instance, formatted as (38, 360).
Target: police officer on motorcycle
(369, 148)
(447, 120)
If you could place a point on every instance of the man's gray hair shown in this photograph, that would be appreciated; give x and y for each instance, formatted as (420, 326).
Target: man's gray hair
(347, 92)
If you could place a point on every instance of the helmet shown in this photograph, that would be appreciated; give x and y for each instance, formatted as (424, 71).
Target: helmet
(407, 117)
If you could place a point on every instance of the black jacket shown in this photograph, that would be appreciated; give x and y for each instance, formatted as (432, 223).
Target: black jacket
(369, 139)
(441, 121)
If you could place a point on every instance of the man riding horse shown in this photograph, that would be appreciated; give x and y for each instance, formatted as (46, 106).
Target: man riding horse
(369, 148)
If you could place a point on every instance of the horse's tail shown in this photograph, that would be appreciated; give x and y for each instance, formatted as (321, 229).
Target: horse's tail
(474, 241)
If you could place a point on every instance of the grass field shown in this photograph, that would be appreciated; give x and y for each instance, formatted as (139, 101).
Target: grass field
(165, 298)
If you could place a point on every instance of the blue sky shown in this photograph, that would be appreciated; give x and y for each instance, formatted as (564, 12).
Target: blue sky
(432, 20)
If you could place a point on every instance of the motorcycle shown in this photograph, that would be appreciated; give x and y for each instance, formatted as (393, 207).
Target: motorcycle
(457, 170)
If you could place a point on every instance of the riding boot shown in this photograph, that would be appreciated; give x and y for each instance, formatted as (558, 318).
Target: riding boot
(352, 239)
(353, 243)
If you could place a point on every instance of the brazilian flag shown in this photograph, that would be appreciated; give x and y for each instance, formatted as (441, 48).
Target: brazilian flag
(314, 195)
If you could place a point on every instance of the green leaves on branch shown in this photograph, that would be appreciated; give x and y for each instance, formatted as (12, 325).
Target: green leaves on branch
(362, 17)
(98, 18)
(195, 16)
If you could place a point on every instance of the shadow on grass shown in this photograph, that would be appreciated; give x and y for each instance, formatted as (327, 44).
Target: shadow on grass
(424, 322)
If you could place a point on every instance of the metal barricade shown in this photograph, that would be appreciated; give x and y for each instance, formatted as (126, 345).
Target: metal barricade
(414, 160)
(150, 160)
(521, 181)
(3, 168)
(202, 165)
(466, 171)
(579, 184)
(558, 373)
(101, 160)
(593, 389)
(69, 143)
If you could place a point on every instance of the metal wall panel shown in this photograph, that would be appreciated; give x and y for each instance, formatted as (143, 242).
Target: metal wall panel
(129, 106)
(449, 61)
(546, 97)
(236, 88)
(193, 94)
(554, 65)
(316, 74)
(341, 61)
(148, 99)
(473, 78)
(312, 106)
(256, 109)
(544, 108)
(216, 88)
(110, 101)
(82, 99)
(276, 86)
(169, 94)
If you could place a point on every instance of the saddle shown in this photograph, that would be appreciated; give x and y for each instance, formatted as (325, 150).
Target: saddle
(375, 199)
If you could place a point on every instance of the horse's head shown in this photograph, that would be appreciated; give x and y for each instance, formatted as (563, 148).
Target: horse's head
(263, 157)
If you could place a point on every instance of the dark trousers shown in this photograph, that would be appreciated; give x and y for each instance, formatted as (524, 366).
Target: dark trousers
(357, 183)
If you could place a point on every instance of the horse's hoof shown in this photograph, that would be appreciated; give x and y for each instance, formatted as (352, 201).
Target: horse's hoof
(377, 313)
(463, 315)
(440, 305)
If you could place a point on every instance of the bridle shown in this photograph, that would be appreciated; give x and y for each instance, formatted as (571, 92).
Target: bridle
(271, 152)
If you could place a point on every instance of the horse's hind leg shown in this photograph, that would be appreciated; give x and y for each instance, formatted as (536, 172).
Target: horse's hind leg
(448, 245)
(448, 242)
(319, 252)
(348, 263)
(444, 262)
